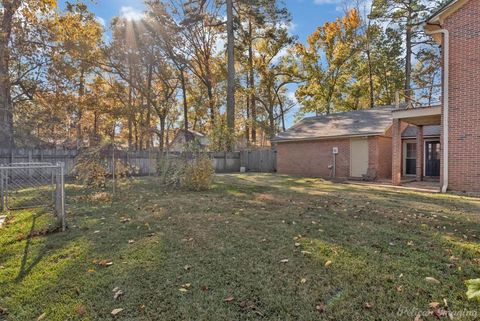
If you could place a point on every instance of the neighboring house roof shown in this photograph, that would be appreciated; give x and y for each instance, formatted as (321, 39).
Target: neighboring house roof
(428, 131)
(189, 134)
(192, 134)
(369, 122)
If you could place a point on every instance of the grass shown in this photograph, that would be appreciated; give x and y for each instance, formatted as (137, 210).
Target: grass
(218, 255)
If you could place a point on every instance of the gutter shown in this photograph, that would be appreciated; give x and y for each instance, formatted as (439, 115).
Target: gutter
(446, 73)
(291, 140)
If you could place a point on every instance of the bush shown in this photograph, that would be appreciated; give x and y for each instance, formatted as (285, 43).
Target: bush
(198, 174)
(123, 171)
(170, 170)
(91, 168)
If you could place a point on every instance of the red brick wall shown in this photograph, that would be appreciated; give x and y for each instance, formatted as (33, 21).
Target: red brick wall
(384, 157)
(464, 99)
(312, 158)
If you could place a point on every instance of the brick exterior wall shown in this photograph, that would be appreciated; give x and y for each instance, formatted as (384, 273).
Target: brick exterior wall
(397, 151)
(312, 158)
(464, 99)
(384, 158)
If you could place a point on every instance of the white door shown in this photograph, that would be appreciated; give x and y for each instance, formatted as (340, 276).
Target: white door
(358, 157)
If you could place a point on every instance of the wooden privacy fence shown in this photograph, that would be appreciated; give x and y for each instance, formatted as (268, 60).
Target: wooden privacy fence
(264, 161)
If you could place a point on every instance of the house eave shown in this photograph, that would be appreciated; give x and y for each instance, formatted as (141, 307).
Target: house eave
(438, 18)
(293, 140)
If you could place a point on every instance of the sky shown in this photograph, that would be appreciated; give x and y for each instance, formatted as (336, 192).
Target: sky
(307, 15)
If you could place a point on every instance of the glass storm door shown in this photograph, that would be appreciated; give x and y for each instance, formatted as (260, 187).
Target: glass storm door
(432, 159)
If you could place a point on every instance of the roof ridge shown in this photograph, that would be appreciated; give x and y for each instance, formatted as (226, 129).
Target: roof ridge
(386, 107)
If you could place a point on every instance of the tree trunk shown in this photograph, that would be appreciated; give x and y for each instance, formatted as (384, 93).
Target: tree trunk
(95, 129)
(162, 133)
(252, 84)
(211, 104)
(271, 122)
(130, 116)
(408, 57)
(231, 72)
(141, 122)
(6, 107)
(81, 93)
(247, 125)
(282, 114)
(149, 107)
(370, 77)
(185, 102)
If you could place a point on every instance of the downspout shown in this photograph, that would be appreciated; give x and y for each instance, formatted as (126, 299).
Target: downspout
(446, 69)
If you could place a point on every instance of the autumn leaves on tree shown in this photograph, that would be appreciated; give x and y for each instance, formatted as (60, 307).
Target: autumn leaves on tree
(230, 69)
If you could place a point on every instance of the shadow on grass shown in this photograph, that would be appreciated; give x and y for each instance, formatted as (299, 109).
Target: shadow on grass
(229, 242)
(24, 268)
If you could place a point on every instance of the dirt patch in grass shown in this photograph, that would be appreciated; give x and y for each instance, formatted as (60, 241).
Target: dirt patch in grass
(255, 247)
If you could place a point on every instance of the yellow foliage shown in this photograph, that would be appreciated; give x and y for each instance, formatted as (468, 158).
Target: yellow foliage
(198, 175)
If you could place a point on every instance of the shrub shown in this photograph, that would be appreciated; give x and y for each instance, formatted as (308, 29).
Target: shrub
(198, 174)
(91, 168)
(123, 170)
(170, 170)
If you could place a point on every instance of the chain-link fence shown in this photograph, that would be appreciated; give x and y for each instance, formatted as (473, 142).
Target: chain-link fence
(33, 185)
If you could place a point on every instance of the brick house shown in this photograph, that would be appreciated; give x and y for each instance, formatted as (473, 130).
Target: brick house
(455, 156)
(434, 140)
(355, 144)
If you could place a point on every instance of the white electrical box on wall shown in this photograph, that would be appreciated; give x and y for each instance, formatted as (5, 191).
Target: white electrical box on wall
(335, 150)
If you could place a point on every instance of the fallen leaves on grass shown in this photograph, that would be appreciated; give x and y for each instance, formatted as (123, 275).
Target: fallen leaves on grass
(117, 294)
(80, 310)
(104, 263)
(328, 263)
(321, 308)
(116, 311)
(229, 299)
(303, 281)
(437, 311)
(432, 280)
(185, 287)
(42, 316)
(3, 311)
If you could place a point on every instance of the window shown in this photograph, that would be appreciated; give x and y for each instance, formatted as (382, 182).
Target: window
(410, 158)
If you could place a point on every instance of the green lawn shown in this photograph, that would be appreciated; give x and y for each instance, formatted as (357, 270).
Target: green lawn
(354, 253)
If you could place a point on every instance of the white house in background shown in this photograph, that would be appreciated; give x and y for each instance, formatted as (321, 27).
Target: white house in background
(183, 136)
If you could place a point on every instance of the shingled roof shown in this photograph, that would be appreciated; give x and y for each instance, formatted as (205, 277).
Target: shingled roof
(369, 122)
